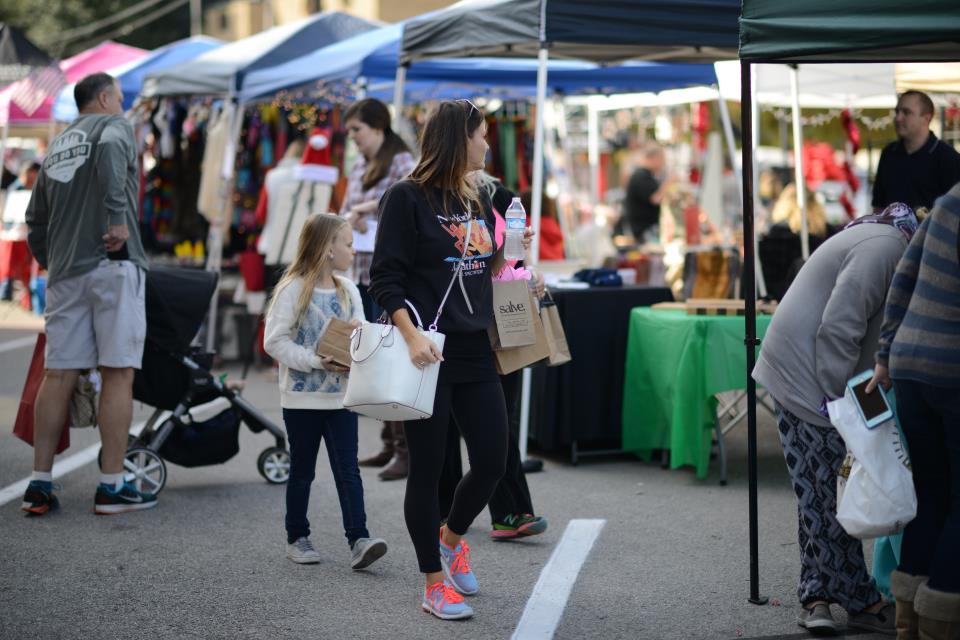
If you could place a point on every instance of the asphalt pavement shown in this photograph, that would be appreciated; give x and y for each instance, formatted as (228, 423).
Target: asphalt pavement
(671, 560)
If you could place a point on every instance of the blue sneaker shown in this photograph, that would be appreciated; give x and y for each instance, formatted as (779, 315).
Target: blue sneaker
(456, 566)
(443, 601)
(39, 498)
(122, 500)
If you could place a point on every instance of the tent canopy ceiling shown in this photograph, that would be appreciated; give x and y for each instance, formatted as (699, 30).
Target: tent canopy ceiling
(854, 30)
(600, 31)
(18, 56)
(822, 86)
(223, 70)
(374, 55)
(931, 77)
(131, 75)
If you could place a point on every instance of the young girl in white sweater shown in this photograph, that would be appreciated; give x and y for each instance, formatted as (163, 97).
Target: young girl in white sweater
(307, 297)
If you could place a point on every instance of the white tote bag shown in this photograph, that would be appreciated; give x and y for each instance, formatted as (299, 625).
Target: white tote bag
(878, 498)
(384, 383)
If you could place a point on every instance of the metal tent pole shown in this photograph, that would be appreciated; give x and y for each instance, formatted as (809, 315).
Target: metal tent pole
(798, 180)
(535, 205)
(750, 337)
(399, 86)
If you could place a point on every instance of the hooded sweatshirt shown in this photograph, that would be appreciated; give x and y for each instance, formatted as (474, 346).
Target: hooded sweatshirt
(419, 244)
(88, 181)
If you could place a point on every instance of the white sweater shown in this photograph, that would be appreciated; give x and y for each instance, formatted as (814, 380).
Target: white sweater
(304, 384)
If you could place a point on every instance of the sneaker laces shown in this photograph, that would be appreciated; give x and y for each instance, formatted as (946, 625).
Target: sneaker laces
(461, 559)
(304, 545)
(447, 592)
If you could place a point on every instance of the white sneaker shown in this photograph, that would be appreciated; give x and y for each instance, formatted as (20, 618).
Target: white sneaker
(366, 551)
(302, 552)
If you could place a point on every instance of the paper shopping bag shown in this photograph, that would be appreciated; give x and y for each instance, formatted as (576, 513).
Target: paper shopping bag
(23, 427)
(556, 337)
(514, 315)
(335, 342)
(513, 358)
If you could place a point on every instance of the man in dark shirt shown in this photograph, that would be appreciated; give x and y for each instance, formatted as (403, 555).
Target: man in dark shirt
(641, 205)
(917, 168)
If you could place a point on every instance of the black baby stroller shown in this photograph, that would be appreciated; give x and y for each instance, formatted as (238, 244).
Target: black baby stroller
(176, 378)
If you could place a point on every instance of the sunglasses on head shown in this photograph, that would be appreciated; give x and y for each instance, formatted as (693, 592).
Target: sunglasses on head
(473, 107)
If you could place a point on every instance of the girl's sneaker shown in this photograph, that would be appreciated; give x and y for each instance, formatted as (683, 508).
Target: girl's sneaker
(518, 525)
(443, 601)
(366, 551)
(456, 566)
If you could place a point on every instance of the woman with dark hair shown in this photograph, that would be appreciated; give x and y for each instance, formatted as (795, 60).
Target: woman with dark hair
(428, 224)
(384, 159)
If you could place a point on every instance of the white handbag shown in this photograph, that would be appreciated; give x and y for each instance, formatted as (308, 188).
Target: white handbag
(384, 383)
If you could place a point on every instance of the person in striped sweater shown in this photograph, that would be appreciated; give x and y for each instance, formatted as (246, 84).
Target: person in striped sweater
(919, 352)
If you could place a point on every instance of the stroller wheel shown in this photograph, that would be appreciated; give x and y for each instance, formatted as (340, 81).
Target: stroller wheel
(274, 465)
(145, 470)
(130, 440)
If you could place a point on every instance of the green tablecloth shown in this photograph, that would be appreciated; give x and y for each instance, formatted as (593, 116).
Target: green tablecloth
(675, 363)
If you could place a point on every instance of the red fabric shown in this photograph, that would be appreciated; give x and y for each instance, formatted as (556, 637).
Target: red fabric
(23, 427)
(15, 263)
(321, 136)
(252, 270)
(551, 240)
(261, 212)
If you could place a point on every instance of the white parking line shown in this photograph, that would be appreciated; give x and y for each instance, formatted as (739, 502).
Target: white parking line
(549, 598)
(60, 468)
(19, 343)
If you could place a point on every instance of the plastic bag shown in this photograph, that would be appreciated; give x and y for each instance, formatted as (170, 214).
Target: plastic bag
(85, 400)
(878, 497)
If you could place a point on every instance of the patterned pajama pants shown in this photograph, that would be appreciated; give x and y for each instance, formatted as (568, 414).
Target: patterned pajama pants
(832, 567)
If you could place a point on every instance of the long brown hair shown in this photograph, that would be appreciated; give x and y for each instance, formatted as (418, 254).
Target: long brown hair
(443, 148)
(313, 253)
(375, 115)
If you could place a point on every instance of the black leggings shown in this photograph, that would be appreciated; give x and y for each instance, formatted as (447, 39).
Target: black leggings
(481, 414)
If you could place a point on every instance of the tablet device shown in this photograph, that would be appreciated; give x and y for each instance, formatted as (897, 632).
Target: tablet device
(873, 406)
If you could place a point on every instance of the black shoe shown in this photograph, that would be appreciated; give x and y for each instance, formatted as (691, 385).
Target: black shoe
(125, 499)
(37, 500)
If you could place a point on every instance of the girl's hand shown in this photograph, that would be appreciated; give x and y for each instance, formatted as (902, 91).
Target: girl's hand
(539, 288)
(881, 376)
(423, 351)
(328, 364)
(527, 238)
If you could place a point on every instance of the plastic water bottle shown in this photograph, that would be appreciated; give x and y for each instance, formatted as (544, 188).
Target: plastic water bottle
(516, 219)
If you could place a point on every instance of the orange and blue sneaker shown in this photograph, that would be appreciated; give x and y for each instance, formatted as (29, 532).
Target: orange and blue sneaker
(456, 566)
(518, 525)
(443, 601)
(39, 498)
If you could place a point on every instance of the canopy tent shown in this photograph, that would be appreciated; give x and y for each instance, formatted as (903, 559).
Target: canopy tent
(789, 31)
(100, 58)
(933, 78)
(224, 70)
(603, 31)
(131, 75)
(849, 31)
(374, 55)
(18, 56)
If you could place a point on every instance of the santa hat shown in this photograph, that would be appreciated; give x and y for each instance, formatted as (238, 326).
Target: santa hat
(317, 149)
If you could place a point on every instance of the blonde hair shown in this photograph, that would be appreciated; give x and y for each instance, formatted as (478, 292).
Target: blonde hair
(313, 254)
(788, 210)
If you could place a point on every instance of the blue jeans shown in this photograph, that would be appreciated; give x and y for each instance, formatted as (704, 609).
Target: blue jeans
(305, 429)
(930, 417)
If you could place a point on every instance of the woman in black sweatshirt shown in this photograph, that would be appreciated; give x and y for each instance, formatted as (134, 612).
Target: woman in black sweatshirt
(420, 241)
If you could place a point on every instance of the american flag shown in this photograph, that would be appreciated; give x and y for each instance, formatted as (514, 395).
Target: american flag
(43, 83)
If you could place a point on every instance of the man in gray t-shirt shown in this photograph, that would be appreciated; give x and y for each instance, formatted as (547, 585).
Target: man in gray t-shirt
(83, 230)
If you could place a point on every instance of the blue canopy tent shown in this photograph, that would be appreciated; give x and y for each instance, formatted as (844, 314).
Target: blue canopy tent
(131, 76)
(375, 55)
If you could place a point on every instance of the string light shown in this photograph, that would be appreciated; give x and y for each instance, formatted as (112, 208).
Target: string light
(820, 119)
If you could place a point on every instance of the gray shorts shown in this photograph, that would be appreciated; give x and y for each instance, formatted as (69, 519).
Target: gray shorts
(97, 318)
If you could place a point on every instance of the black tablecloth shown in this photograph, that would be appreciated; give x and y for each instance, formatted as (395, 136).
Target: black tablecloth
(582, 400)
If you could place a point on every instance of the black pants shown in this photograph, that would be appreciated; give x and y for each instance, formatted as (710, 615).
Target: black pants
(479, 410)
(930, 417)
(512, 494)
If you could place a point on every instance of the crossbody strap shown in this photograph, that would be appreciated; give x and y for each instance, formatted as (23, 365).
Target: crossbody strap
(456, 273)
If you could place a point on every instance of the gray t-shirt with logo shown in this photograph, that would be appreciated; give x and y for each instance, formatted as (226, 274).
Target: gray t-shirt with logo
(89, 180)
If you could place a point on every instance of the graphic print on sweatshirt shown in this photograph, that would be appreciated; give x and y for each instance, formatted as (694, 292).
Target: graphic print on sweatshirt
(67, 154)
(323, 306)
(481, 243)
